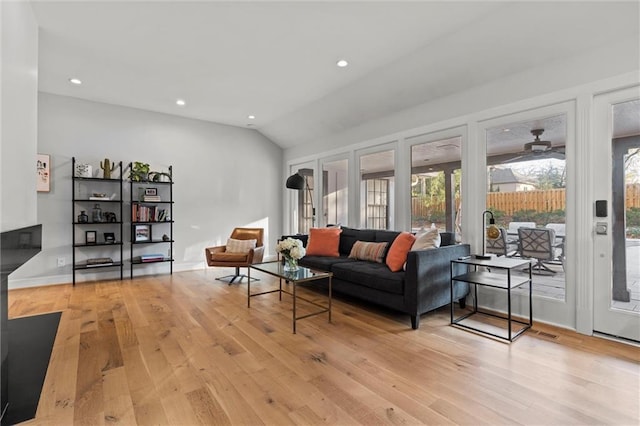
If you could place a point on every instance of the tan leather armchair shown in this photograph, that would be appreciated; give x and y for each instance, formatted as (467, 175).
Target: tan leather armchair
(219, 256)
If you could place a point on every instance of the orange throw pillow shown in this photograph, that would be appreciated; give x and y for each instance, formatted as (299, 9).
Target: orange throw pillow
(324, 242)
(397, 255)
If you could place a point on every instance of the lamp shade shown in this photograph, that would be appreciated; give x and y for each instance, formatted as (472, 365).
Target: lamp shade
(295, 181)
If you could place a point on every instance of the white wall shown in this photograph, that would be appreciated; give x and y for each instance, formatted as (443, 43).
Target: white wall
(601, 63)
(18, 115)
(224, 177)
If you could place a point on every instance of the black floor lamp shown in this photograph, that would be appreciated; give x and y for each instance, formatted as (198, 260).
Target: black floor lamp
(297, 181)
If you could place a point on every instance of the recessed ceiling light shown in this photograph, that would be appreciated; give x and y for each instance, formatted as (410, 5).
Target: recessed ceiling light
(342, 63)
(251, 117)
(506, 130)
(180, 102)
(75, 81)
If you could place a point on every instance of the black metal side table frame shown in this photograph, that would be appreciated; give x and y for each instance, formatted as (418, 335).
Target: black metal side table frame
(493, 280)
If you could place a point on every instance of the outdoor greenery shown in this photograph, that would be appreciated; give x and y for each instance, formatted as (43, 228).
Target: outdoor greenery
(429, 189)
(633, 222)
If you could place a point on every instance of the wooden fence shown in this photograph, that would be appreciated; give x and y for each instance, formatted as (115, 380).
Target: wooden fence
(510, 202)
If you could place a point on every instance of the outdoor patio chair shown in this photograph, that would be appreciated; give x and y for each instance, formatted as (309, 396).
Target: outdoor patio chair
(514, 226)
(501, 246)
(539, 244)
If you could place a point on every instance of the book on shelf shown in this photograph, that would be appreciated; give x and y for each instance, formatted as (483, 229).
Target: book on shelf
(151, 257)
(99, 261)
(151, 198)
(93, 265)
(99, 198)
(148, 213)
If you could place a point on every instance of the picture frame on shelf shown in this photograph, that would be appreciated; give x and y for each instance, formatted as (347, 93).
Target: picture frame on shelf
(90, 237)
(151, 192)
(141, 233)
(109, 237)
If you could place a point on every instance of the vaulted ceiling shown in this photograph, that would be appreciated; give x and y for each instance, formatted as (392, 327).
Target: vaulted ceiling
(277, 60)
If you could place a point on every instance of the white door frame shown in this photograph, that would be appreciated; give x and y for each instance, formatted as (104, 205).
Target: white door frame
(606, 319)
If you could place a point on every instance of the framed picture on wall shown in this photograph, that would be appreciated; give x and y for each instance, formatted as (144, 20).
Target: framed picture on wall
(141, 233)
(43, 173)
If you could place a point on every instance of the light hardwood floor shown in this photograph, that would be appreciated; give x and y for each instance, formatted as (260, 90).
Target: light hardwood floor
(186, 350)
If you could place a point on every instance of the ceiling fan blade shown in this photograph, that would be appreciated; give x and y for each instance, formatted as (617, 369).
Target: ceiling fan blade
(559, 155)
(520, 156)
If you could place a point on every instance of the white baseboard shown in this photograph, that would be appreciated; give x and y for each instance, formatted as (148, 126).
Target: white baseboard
(40, 281)
(16, 283)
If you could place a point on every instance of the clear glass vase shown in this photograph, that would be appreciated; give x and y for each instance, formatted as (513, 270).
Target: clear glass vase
(290, 264)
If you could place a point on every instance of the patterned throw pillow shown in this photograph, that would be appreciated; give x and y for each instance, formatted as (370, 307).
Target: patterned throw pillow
(373, 252)
(240, 246)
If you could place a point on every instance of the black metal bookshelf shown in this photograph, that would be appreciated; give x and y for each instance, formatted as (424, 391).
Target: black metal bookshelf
(136, 247)
(81, 201)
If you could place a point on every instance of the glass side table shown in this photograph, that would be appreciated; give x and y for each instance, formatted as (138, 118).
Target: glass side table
(301, 276)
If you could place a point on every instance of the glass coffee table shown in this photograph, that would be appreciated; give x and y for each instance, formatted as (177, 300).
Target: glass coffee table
(301, 276)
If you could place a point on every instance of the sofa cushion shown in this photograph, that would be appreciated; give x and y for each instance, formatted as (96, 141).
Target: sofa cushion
(324, 242)
(372, 275)
(364, 250)
(229, 257)
(324, 263)
(447, 239)
(350, 235)
(397, 255)
(386, 236)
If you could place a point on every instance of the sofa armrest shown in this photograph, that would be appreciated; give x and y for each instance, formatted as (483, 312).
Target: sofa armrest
(428, 278)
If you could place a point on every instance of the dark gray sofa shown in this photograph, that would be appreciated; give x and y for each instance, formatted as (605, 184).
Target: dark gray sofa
(423, 287)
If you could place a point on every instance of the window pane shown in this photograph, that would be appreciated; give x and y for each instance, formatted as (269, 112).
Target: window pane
(435, 183)
(306, 210)
(377, 179)
(335, 192)
(526, 181)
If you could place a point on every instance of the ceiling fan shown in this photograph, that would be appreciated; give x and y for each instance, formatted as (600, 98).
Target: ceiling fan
(537, 146)
(537, 149)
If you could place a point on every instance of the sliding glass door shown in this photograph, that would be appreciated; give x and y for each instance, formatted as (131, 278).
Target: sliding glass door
(617, 220)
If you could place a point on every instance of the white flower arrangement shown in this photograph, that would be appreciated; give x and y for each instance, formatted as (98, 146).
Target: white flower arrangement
(291, 248)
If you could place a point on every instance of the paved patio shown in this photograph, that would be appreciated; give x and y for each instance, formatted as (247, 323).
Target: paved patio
(633, 277)
(553, 286)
